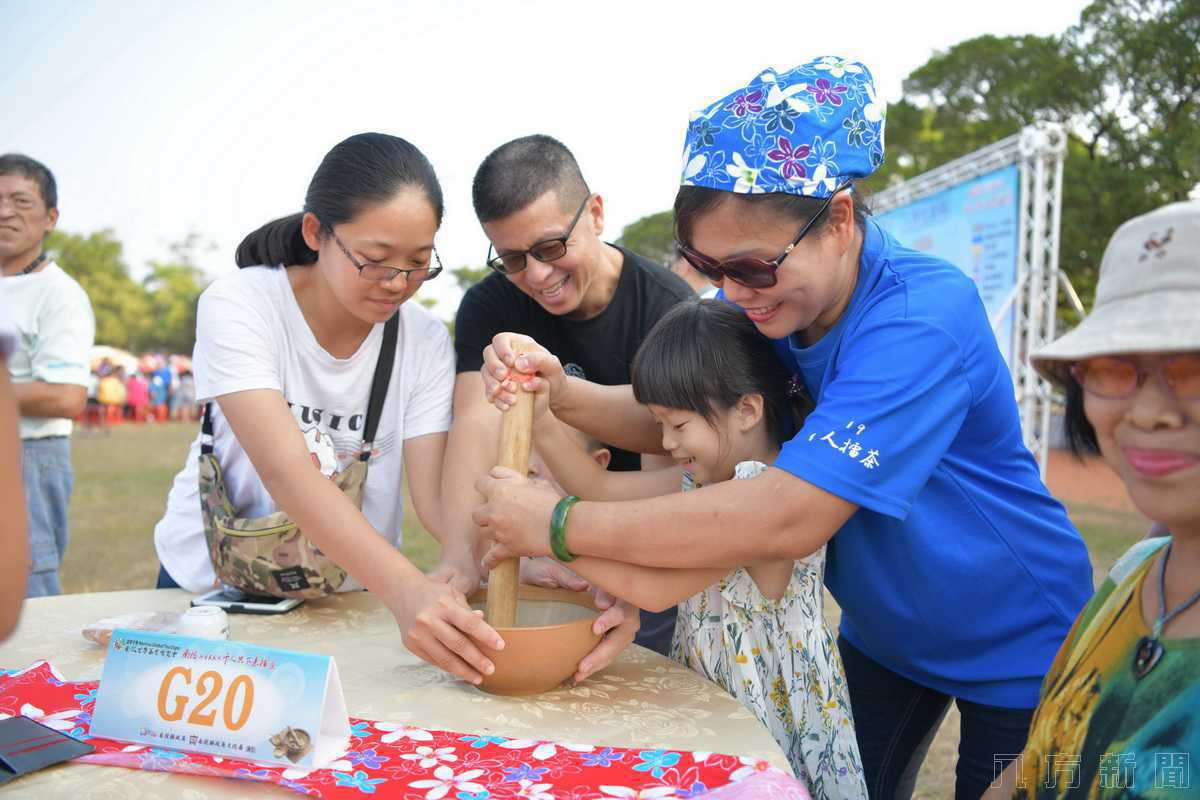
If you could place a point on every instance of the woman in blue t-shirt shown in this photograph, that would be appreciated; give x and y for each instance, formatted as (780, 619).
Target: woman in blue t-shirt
(957, 573)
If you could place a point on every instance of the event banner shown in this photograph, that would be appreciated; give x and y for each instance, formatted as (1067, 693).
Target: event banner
(973, 225)
(228, 699)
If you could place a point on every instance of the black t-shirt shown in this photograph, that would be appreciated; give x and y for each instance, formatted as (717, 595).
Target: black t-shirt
(599, 349)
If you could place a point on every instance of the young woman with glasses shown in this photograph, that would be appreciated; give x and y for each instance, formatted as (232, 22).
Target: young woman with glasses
(1117, 715)
(956, 571)
(287, 351)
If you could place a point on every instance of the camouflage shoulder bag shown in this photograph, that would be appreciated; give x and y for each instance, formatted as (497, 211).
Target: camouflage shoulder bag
(269, 555)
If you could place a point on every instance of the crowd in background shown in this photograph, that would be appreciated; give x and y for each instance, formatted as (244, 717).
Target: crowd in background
(161, 388)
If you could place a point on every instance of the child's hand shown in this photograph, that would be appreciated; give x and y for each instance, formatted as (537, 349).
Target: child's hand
(618, 626)
(548, 573)
(541, 405)
(503, 367)
(460, 570)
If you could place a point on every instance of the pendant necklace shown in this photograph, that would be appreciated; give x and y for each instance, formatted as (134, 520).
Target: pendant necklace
(1149, 649)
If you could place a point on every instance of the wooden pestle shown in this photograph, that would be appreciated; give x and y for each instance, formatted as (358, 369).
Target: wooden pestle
(516, 439)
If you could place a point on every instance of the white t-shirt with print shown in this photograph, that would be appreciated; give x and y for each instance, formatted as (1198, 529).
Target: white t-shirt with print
(55, 329)
(251, 334)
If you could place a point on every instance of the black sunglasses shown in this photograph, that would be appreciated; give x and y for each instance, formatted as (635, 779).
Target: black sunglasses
(382, 273)
(753, 273)
(544, 251)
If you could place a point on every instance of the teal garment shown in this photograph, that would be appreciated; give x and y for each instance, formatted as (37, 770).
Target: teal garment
(1100, 727)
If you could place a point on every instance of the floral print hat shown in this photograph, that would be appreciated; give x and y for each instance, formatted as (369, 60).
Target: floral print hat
(806, 131)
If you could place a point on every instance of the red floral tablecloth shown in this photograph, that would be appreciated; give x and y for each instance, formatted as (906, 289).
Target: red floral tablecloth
(399, 761)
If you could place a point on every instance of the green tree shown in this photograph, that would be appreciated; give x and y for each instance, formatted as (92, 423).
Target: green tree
(467, 276)
(652, 236)
(1124, 81)
(158, 314)
(173, 288)
(96, 261)
(172, 291)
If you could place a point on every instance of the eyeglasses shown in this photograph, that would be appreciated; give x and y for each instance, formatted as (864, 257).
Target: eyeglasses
(750, 272)
(21, 202)
(382, 273)
(1117, 377)
(546, 250)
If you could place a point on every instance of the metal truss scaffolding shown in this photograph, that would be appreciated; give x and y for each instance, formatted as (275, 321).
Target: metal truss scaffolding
(1038, 151)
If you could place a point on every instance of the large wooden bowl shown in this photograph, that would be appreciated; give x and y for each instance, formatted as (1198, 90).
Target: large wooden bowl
(553, 632)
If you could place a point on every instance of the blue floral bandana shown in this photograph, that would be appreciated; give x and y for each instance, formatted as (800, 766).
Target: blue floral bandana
(805, 131)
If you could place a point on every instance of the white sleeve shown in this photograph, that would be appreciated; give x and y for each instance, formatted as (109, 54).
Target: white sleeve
(235, 344)
(430, 387)
(65, 334)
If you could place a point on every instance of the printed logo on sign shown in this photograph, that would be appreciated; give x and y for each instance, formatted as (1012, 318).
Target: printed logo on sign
(221, 698)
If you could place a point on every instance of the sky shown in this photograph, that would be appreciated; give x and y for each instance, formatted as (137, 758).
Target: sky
(161, 119)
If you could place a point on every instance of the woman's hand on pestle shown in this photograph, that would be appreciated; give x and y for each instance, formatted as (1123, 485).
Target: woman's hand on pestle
(515, 515)
(438, 626)
(618, 625)
(501, 364)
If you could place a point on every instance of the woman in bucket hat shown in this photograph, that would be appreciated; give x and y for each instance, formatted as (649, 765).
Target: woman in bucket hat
(957, 573)
(1118, 709)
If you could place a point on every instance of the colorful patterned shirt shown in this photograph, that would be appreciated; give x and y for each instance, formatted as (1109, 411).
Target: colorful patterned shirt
(781, 661)
(1099, 731)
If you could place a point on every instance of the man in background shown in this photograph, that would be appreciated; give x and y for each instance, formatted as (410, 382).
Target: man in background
(49, 370)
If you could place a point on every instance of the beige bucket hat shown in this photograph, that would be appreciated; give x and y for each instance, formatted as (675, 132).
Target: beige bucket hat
(1148, 295)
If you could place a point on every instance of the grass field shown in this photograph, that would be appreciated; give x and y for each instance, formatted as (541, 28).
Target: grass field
(121, 484)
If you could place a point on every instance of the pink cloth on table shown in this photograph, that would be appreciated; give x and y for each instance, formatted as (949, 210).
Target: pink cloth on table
(392, 760)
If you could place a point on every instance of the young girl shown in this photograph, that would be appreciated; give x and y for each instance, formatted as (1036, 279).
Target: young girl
(288, 352)
(723, 403)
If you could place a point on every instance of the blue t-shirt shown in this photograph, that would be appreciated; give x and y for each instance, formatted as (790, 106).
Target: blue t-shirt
(160, 385)
(959, 570)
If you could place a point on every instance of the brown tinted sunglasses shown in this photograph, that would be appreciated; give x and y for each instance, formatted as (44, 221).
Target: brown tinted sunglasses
(753, 273)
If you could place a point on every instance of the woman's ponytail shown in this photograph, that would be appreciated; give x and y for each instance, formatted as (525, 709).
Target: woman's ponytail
(278, 242)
